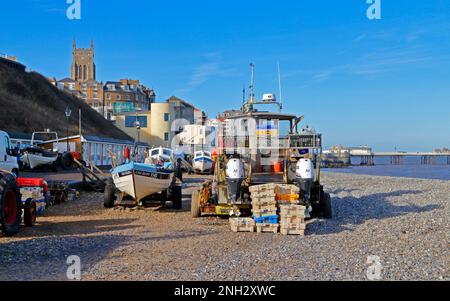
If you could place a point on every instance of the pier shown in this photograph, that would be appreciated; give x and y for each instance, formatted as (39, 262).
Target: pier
(426, 158)
(396, 158)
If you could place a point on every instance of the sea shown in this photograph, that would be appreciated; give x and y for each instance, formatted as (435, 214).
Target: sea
(410, 167)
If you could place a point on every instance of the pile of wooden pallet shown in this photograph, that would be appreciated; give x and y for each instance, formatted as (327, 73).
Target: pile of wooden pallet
(242, 225)
(275, 208)
(264, 206)
(292, 220)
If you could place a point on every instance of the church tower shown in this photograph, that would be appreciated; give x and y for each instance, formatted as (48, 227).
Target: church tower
(83, 66)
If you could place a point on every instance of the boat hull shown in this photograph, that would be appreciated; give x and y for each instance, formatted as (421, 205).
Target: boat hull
(203, 165)
(34, 160)
(139, 181)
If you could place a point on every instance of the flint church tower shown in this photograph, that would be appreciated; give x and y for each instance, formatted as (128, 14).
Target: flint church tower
(83, 66)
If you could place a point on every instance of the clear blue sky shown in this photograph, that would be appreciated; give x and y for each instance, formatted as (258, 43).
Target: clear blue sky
(384, 83)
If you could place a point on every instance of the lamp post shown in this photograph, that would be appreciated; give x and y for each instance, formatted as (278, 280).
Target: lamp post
(68, 112)
(138, 130)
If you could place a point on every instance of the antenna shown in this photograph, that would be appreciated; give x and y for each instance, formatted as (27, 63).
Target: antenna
(252, 84)
(279, 87)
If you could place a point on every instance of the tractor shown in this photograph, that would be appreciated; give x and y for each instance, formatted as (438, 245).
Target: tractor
(238, 167)
(12, 206)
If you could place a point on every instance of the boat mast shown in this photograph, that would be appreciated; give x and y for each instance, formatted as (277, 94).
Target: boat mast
(279, 89)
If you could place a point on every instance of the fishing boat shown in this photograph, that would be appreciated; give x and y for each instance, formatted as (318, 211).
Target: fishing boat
(203, 162)
(139, 180)
(35, 156)
(162, 154)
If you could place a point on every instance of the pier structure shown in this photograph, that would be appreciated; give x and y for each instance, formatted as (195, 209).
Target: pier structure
(364, 153)
(425, 158)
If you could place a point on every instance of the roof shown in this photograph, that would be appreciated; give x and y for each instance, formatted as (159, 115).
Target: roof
(110, 140)
(176, 99)
(265, 115)
(67, 80)
(87, 138)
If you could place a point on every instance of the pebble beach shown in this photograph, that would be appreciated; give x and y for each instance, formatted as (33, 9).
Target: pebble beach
(403, 223)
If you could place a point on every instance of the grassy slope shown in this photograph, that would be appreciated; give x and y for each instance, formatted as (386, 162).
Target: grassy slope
(29, 102)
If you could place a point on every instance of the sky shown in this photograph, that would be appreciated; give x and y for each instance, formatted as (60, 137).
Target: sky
(383, 83)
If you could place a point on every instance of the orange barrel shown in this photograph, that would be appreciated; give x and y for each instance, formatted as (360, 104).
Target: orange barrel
(278, 167)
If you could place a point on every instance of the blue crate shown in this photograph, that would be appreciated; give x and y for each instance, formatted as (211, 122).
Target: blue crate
(273, 219)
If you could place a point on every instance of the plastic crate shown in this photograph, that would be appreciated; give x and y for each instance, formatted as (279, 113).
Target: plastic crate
(271, 219)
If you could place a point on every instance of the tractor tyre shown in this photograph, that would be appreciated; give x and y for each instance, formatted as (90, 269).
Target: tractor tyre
(176, 197)
(55, 166)
(109, 195)
(15, 172)
(195, 205)
(67, 161)
(327, 207)
(29, 213)
(10, 205)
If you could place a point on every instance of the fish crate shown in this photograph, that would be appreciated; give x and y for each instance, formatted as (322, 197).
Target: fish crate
(270, 219)
(242, 225)
(263, 200)
(267, 228)
(292, 210)
(286, 231)
(289, 219)
(272, 205)
(286, 189)
(287, 203)
(292, 226)
(263, 189)
(287, 197)
(265, 213)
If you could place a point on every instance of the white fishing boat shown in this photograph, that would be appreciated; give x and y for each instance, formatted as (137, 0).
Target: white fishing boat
(203, 162)
(162, 154)
(140, 181)
(35, 156)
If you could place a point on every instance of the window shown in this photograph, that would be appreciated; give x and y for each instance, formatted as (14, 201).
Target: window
(128, 97)
(118, 97)
(130, 121)
(7, 145)
(108, 96)
(137, 97)
(166, 136)
(166, 117)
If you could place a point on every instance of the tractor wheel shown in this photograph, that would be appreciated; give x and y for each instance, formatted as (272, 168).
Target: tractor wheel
(67, 161)
(15, 172)
(176, 197)
(327, 208)
(55, 166)
(10, 205)
(109, 194)
(195, 204)
(29, 213)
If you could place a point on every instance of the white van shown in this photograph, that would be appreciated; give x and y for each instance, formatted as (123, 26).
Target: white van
(8, 158)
